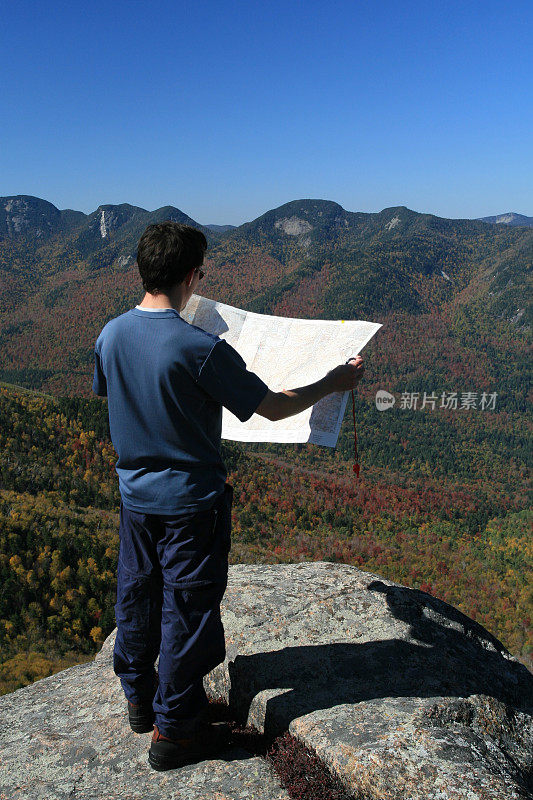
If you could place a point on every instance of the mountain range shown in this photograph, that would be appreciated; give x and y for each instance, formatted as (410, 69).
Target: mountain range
(25, 215)
(64, 273)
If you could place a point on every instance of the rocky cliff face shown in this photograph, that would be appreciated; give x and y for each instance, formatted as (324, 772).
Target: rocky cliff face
(25, 215)
(399, 694)
(35, 219)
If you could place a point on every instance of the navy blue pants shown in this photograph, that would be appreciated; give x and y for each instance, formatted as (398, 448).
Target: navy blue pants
(172, 575)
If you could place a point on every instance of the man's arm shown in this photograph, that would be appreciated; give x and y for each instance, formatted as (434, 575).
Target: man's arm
(279, 405)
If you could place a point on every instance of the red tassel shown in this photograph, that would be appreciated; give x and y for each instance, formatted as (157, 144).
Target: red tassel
(356, 466)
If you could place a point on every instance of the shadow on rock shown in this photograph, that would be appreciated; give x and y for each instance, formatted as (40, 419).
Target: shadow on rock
(445, 654)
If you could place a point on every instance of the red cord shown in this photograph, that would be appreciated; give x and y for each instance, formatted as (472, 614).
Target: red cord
(356, 466)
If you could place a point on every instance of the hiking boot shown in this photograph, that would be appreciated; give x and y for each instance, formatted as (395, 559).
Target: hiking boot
(141, 717)
(206, 741)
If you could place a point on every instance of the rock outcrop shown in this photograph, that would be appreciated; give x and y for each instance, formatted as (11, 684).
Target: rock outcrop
(401, 695)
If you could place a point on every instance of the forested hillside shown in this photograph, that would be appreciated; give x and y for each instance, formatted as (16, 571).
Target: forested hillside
(460, 536)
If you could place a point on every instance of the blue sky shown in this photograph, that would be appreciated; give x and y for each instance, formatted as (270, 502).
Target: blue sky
(226, 110)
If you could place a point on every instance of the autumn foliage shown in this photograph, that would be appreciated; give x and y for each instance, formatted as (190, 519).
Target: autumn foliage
(460, 537)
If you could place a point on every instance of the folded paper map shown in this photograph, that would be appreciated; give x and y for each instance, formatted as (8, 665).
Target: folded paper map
(286, 353)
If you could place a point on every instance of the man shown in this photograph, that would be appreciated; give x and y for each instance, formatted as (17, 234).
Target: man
(166, 382)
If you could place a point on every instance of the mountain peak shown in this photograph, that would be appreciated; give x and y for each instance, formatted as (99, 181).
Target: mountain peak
(510, 218)
(25, 215)
(297, 218)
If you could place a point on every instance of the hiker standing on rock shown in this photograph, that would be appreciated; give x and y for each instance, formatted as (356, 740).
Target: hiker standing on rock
(166, 382)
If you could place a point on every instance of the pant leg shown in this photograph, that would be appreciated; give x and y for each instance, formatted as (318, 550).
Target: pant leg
(193, 552)
(138, 607)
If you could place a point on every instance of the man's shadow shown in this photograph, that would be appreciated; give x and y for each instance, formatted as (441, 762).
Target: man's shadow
(450, 661)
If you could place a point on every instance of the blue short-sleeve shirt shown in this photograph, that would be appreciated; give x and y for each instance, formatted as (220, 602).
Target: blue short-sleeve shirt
(166, 382)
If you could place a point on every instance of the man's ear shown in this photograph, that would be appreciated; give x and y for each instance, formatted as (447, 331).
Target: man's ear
(189, 277)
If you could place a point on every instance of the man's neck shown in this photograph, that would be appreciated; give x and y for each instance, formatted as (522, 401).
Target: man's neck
(161, 301)
(177, 297)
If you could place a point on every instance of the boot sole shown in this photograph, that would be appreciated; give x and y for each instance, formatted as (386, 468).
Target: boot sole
(163, 765)
(142, 728)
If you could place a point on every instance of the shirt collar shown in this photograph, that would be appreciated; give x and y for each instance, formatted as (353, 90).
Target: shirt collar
(161, 313)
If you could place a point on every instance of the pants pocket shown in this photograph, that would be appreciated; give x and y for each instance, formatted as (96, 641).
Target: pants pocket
(138, 607)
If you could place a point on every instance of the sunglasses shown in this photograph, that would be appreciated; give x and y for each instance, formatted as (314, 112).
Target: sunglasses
(201, 273)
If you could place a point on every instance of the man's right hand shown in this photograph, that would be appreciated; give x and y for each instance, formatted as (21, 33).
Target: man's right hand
(346, 376)
(279, 405)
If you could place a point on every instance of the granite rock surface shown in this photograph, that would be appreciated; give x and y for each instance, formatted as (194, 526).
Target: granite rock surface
(67, 737)
(400, 694)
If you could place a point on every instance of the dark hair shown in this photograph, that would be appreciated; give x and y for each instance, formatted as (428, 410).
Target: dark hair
(167, 251)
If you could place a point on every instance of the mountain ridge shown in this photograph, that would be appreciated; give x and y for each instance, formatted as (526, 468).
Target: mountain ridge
(23, 202)
(306, 258)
